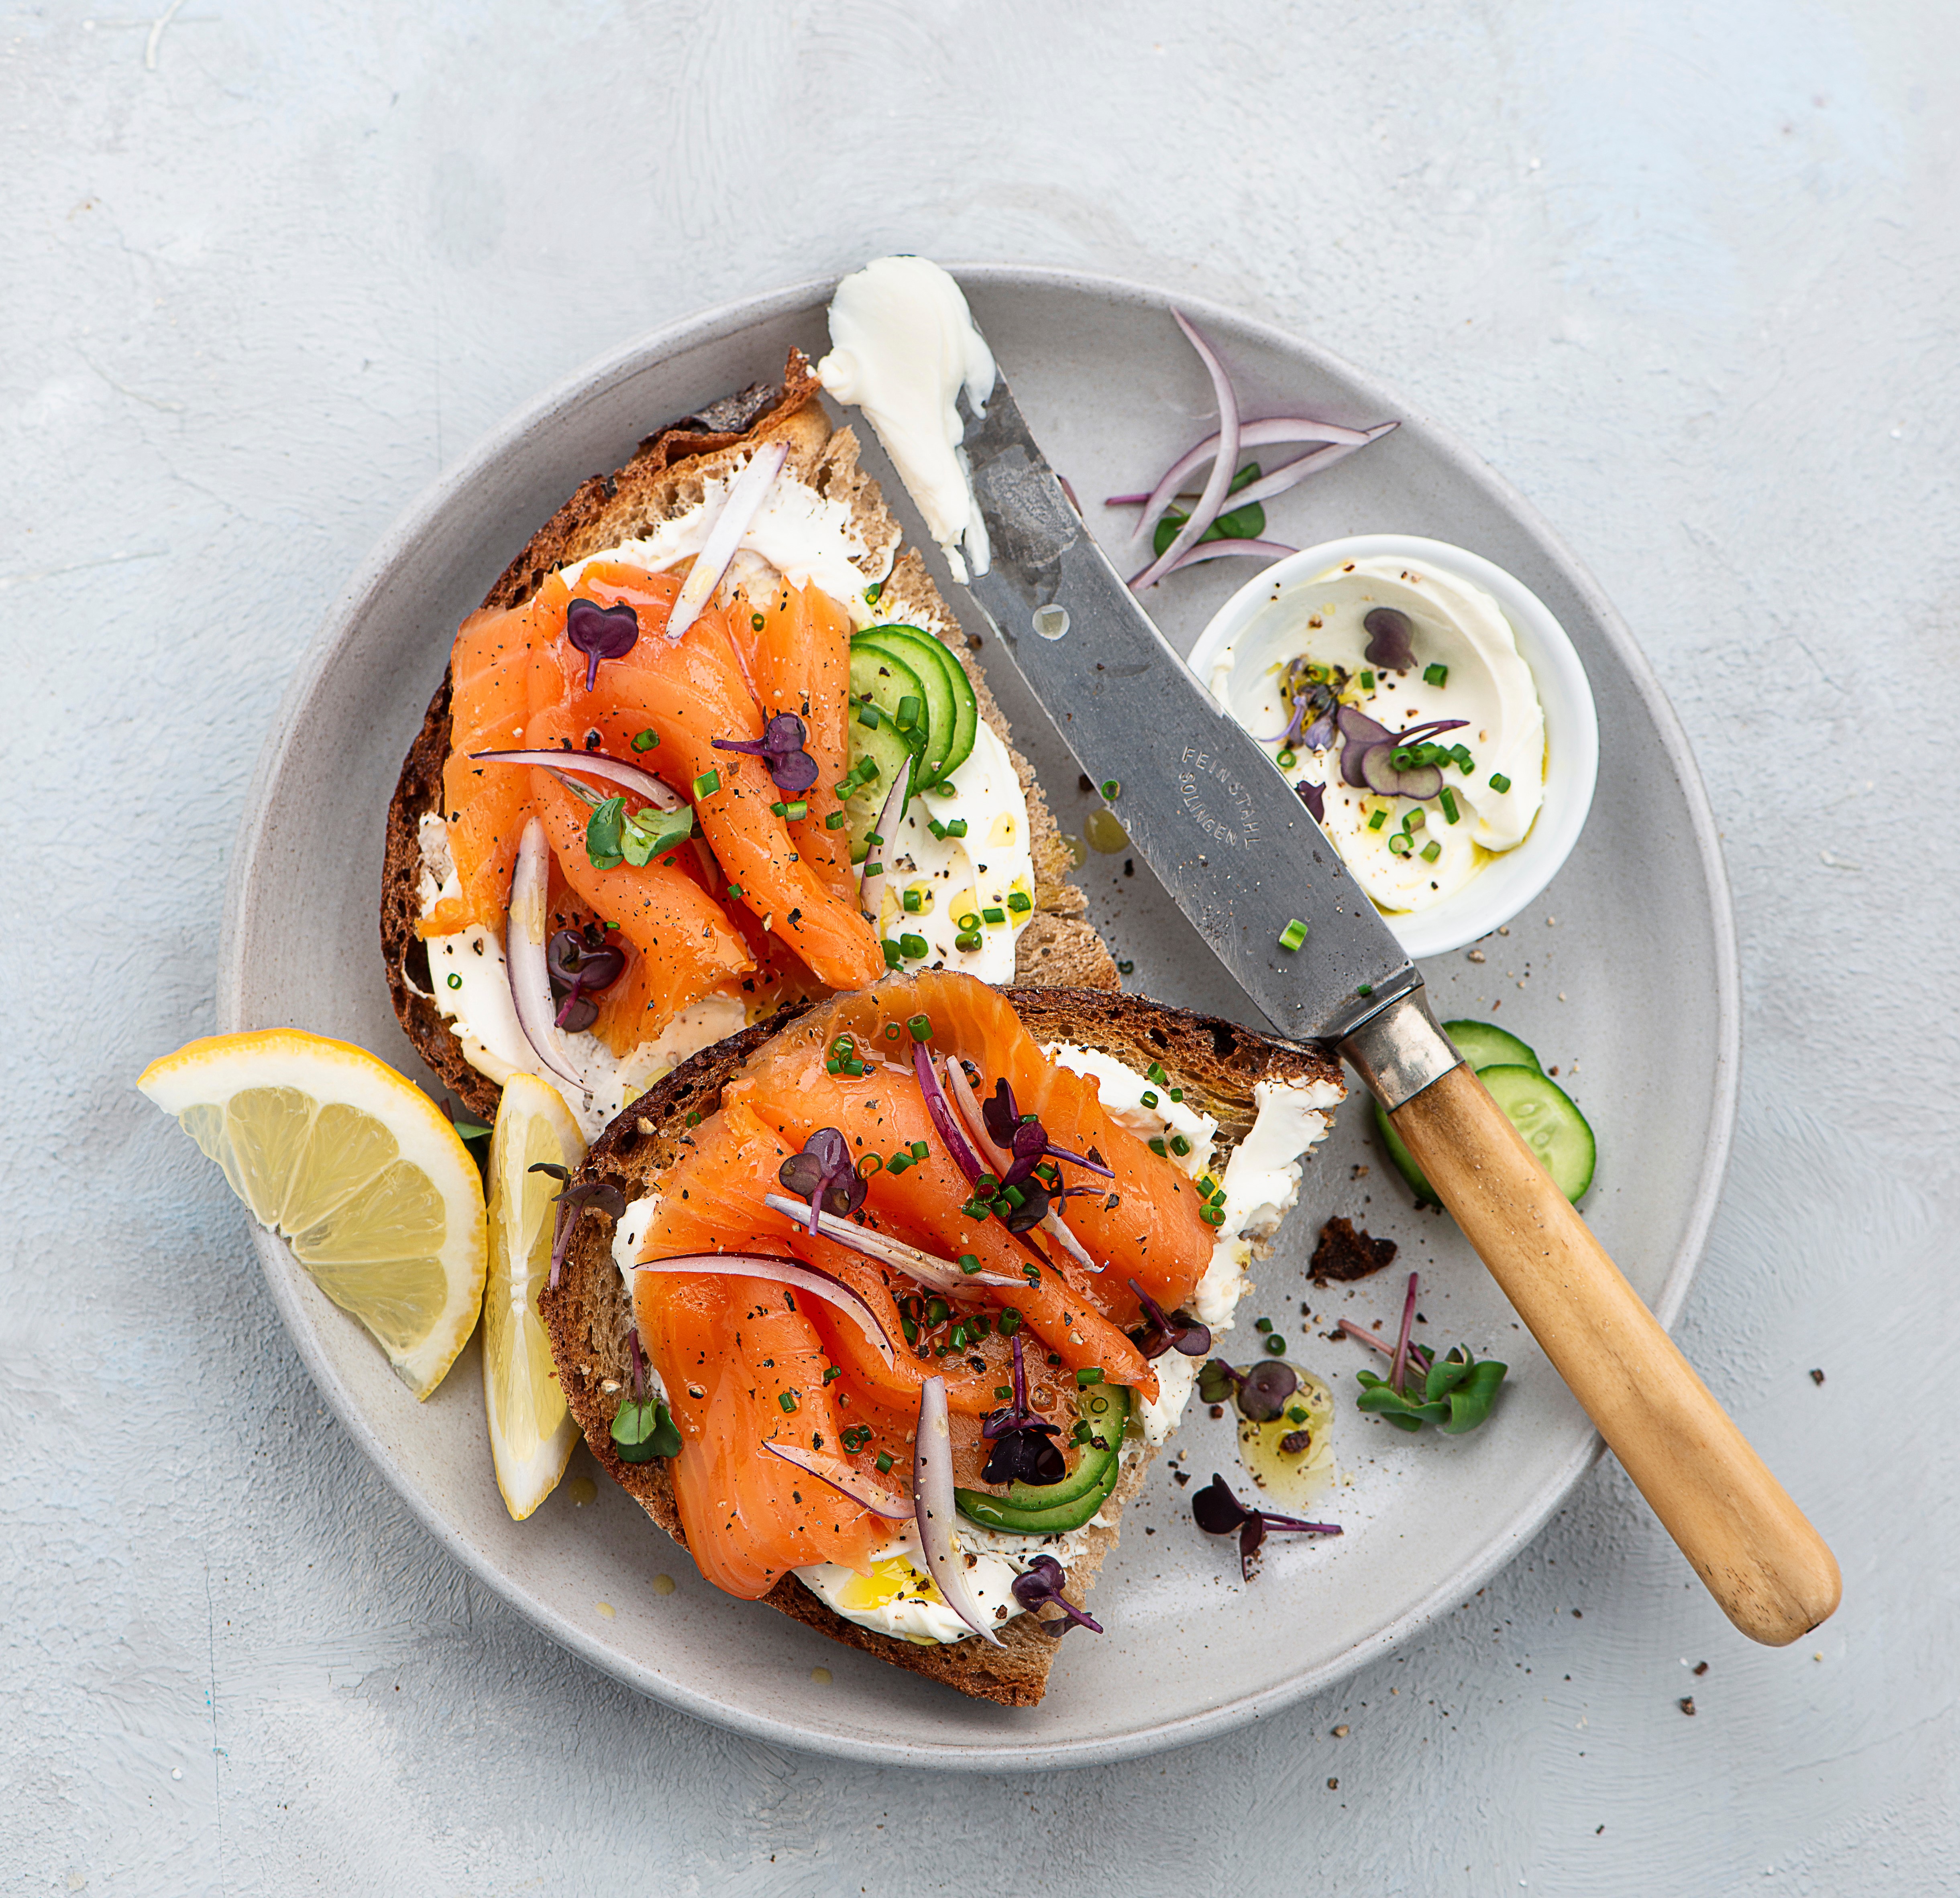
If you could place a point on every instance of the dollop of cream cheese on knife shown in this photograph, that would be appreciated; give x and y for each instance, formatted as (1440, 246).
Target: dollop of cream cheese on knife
(903, 347)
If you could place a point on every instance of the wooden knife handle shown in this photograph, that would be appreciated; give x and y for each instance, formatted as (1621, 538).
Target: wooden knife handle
(1770, 1571)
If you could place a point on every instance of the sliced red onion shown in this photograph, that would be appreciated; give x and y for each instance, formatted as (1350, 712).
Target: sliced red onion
(525, 967)
(1419, 781)
(1224, 466)
(790, 1272)
(1251, 434)
(968, 1102)
(746, 494)
(941, 1274)
(841, 1476)
(1228, 550)
(871, 889)
(932, 1508)
(1294, 472)
(943, 1117)
(600, 765)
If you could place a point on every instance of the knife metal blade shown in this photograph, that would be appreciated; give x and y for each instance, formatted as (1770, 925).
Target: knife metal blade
(1205, 807)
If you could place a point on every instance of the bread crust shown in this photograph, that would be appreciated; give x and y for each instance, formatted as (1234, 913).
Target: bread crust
(1217, 1063)
(666, 477)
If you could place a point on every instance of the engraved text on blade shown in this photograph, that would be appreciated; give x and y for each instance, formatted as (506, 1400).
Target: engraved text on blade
(1212, 793)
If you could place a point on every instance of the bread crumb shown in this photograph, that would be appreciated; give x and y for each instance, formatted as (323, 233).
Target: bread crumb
(1687, 1703)
(1340, 1733)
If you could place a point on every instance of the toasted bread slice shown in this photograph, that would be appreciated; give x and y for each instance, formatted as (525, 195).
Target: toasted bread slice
(665, 480)
(1216, 1063)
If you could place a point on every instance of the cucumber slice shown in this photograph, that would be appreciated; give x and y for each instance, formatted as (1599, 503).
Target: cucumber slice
(919, 649)
(881, 758)
(880, 686)
(900, 645)
(1539, 1108)
(992, 1512)
(1484, 1045)
(1553, 1128)
(1039, 1509)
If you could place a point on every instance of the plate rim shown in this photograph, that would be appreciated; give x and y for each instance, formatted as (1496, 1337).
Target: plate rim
(591, 381)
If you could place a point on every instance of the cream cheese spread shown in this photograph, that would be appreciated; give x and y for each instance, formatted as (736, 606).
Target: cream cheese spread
(1407, 854)
(903, 347)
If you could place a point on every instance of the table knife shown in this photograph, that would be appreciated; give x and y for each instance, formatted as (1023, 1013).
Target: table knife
(1232, 842)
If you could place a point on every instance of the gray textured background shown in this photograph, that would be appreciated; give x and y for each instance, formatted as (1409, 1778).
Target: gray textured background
(1685, 274)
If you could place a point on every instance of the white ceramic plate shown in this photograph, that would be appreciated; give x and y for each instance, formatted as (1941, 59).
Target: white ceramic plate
(1633, 994)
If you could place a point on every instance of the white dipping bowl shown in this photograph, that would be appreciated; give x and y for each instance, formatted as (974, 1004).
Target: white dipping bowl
(1256, 621)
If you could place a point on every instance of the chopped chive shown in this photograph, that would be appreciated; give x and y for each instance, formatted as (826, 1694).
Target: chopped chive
(891, 954)
(1155, 1072)
(1112, 789)
(909, 709)
(1399, 844)
(912, 901)
(1380, 817)
(1010, 1322)
(1003, 1391)
(1126, 968)
(869, 715)
(969, 921)
(913, 948)
(968, 1264)
(1499, 782)
(758, 622)
(1435, 674)
(1364, 989)
(1447, 799)
(1211, 1215)
(1292, 935)
(992, 915)
(871, 593)
(898, 1164)
(1032, 1273)
(832, 1370)
(957, 828)
(966, 942)
(1019, 903)
(1262, 1326)
(921, 1028)
(873, 869)
(833, 1066)
(936, 827)
(1416, 819)
(1149, 1099)
(1157, 1147)
(1286, 760)
(1179, 1145)
(1367, 681)
(707, 784)
(1431, 851)
(835, 822)
(735, 889)
(645, 741)
(1089, 1374)
(884, 1462)
(786, 1400)
(1277, 1345)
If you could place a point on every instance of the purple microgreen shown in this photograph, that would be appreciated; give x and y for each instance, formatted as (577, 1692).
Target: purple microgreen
(601, 632)
(1021, 1451)
(642, 1427)
(1260, 1391)
(1362, 733)
(1218, 1513)
(780, 747)
(1161, 1332)
(1399, 1362)
(1388, 645)
(1042, 1583)
(637, 1359)
(1314, 797)
(822, 1175)
(571, 1202)
(581, 967)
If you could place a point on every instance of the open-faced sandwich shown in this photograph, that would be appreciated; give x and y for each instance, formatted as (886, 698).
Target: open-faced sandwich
(882, 1306)
(712, 745)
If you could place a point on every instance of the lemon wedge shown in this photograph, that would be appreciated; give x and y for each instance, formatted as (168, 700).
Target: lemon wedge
(355, 1168)
(532, 1433)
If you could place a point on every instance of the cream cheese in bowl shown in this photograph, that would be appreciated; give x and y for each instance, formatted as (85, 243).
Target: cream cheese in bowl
(1434, 714)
